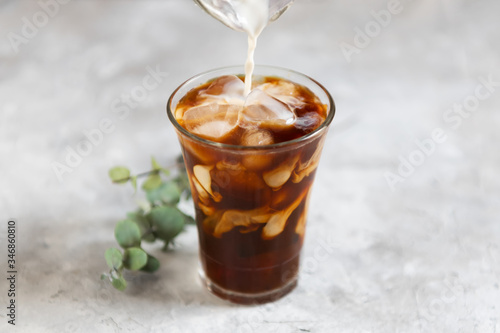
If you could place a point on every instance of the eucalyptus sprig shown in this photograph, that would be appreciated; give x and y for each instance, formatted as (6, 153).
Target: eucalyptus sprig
(159, 219)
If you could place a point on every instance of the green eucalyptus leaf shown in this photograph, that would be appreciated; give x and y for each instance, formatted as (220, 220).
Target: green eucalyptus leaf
(133, 180)
(155, 164)
(141, 221)
(152, 265)
(144, 205)
(170, 193)
(152, 182)
(163, 220)
(134, 258)
(167, 221)
(119, 283)
(114, 258)
(143, 224)
(127, 234)
(119, 174)
(153, 195)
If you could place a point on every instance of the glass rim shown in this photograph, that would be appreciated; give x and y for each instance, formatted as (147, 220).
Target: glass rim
(324, 125)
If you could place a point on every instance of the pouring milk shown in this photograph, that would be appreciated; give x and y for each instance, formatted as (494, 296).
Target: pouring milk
(249, 16)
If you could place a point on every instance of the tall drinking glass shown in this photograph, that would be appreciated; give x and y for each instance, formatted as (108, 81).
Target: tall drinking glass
(251, 201)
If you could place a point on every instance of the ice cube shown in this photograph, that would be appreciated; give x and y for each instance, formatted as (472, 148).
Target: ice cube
(302, 173)
(300, 228)
(206, 209)
(211, 111)
(279, 176)
(304, 169)
(257, 161)
(202, 193)
(284, 91)
(211, 121)
(204, 180)
(213, 130)
(308, 121)
(260, 107)
(199, 151)
(246, 218)
(256, 137)
(276, 224)
(227, 88)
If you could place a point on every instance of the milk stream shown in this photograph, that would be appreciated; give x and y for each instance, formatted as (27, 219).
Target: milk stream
(254, 16)
(250, 63)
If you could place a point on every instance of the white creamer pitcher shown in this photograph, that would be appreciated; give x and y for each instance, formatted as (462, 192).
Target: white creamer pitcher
(249, 16)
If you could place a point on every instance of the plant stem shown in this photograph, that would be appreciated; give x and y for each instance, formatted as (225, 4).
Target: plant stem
(150, 172)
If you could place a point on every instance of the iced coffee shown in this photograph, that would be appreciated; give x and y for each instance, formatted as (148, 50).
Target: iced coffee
(251, 160)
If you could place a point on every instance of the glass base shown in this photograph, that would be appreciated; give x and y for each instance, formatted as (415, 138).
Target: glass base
(245, 298)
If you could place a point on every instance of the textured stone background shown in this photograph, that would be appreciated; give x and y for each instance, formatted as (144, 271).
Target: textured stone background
(423, 256)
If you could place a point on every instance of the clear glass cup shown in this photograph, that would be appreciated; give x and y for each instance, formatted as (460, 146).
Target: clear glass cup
(251, 230)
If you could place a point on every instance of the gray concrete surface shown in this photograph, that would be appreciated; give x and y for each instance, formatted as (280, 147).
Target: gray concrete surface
(417, 253)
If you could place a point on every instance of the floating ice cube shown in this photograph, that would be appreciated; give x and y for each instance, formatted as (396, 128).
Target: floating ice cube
(308, 121)
(213, 130)
(284, 91)
(211, 121)
(228, 89)
(256, 137)
(205, 112)
(260, 107)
